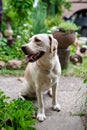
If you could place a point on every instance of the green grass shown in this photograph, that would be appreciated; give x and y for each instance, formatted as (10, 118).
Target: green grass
(11, 72)
(78, 114)
(77, 70)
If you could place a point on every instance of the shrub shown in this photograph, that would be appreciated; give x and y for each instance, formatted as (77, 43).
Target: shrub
(16, 115)
(8, 53)
(53, 21)
(18, 10)
(55, 6)
(39, 16)
(19, 15)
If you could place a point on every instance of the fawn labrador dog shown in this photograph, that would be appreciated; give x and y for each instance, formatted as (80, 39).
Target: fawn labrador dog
(43, 71)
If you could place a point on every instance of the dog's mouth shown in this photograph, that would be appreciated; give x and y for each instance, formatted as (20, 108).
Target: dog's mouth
(34, 57)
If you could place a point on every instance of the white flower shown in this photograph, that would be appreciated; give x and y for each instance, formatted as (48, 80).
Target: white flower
(25, 25)
(18, 36)
(54, 28)
(35, 3)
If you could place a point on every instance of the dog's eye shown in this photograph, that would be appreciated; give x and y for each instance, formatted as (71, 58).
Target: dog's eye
(37, 40)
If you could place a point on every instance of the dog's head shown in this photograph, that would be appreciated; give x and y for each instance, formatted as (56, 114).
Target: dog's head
(40, 45)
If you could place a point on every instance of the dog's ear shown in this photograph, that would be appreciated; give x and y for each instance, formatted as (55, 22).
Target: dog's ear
(53, 44)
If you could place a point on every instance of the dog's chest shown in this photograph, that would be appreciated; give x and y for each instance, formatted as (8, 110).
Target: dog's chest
(47, 80)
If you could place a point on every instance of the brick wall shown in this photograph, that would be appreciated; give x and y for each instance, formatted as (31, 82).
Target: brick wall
(76, 5)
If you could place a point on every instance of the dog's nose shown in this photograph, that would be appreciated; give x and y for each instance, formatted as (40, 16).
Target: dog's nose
(24, 49)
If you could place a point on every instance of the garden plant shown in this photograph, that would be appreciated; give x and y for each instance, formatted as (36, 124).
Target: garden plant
(16, 115)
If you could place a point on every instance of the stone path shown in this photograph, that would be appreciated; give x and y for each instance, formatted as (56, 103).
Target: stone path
(71, 96)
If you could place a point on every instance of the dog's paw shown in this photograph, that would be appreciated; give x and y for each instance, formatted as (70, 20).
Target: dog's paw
(57, 107)
(41, 116)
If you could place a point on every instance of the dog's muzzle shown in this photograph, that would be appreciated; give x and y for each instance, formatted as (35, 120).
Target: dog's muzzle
(24, 49)
(30, 56)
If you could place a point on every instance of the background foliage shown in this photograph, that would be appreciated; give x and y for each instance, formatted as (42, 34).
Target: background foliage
(27, 21)
(55, 6)
(38, 21)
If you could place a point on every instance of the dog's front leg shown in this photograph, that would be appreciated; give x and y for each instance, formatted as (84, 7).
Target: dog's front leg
(56, 106)
(41, 114)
